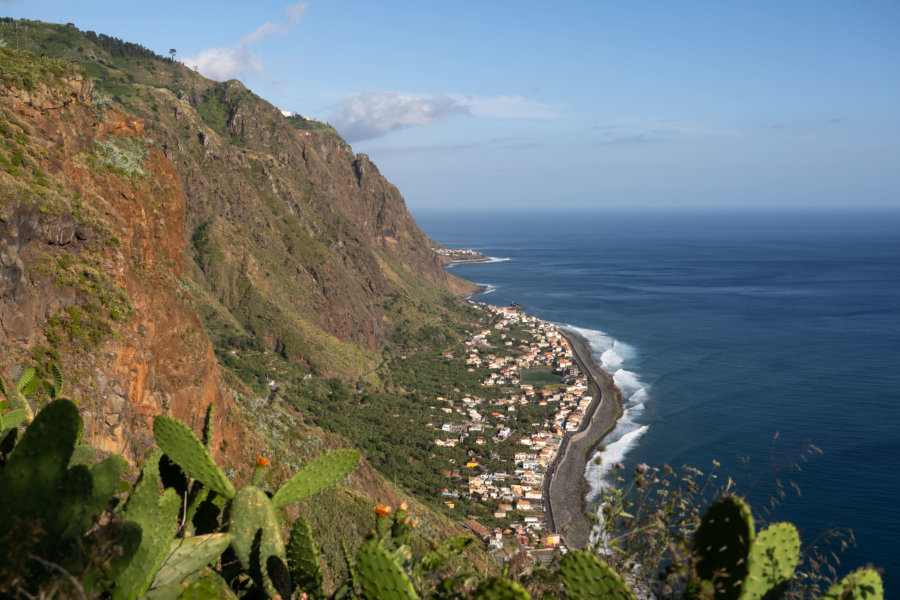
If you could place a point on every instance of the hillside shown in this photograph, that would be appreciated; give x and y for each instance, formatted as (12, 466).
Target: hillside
(172, 241)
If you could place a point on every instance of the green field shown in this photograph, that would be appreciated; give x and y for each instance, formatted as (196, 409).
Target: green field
(539, 377)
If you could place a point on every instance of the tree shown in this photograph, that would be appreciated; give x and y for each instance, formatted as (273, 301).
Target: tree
(172, 53)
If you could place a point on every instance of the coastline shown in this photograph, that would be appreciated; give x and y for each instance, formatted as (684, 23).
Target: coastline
(479, 289)
(566, 510)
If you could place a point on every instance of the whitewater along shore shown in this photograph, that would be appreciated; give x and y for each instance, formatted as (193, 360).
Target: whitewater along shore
(564, 482)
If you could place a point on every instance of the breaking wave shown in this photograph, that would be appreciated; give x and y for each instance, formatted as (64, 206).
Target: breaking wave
(612, 356)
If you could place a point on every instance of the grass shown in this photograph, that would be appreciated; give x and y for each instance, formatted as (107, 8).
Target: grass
(123, 156)
(539, 377)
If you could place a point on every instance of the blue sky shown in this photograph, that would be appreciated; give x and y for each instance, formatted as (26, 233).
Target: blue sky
(575, 104)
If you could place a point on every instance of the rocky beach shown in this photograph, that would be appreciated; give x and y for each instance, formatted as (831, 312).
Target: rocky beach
(564, 487)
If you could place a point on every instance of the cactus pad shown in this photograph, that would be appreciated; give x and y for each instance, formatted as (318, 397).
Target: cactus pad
(773, 558)
(157, 517)
(30, 481)
(303, 560)
(189, 555)
(316, 476)
(584, 575)
(380, 577)
(256, 535)
(864, 584)
(182, 446)
(722, 544)
(498, 588)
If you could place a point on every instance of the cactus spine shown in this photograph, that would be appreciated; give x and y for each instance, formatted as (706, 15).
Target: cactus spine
(721, 546)
(864, 584)
(380, 577)
(316, 476)
(771, 563)
(182, 446)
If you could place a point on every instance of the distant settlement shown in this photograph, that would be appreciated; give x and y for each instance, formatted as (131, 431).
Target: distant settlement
(522, 493)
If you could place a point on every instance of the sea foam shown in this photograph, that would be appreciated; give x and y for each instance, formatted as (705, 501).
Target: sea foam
(612, 356)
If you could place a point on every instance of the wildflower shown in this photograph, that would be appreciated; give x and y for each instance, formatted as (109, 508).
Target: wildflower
(262, 461)
(382, 510)
(618, 465)
(641, 469)
(403, 506)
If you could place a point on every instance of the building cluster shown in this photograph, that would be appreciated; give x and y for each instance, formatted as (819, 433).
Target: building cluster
(457, 255)
(516, 491)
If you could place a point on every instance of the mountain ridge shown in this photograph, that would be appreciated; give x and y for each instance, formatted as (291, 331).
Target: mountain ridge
(174, 242)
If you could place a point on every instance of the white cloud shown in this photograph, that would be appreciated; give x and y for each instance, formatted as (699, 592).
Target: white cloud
(231, 63)
(225, 63)
(369, 115)
(293, 12)
(262, 32)
(373, 114)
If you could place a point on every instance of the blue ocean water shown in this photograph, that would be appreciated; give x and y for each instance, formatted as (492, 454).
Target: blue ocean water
(739, 337)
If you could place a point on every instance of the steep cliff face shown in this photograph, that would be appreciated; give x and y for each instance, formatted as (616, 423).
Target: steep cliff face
(324, 242)
(207, 214)
(293, 242)
(159, 232)
(91, 261)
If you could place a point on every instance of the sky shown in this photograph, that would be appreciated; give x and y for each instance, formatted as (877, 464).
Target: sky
(570, 104)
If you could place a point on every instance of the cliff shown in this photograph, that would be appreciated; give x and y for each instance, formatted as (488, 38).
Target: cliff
(172, 241)
(92, 258)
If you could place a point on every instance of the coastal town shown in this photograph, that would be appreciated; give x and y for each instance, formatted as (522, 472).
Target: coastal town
(533, 371)
(452, 256)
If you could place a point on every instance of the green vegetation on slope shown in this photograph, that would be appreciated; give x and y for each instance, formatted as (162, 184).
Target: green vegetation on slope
(186, 531)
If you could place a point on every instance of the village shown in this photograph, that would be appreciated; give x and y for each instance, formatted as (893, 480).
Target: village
(530, 367)
(459, 255)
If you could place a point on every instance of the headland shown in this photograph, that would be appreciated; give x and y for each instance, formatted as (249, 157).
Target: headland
(458, 256)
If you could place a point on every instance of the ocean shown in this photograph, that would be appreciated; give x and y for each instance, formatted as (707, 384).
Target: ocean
(740, 337)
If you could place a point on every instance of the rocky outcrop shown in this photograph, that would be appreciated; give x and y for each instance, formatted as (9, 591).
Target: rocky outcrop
(90, 232)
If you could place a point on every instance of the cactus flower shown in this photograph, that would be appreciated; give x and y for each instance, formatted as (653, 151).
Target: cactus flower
(382, 510)
(262, 461)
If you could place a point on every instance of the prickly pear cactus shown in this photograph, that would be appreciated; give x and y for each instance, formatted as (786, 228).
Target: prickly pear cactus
(722, 545)
(498, 588)
(189, 555)
(772, 561)
(157, 517)
(182, 446)
(31, 481)
(380, 577)
(11, 420)
(864, 584)
(256, 538)
(584, 576)
(303, 560)
(316, 476)
(81, 455)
